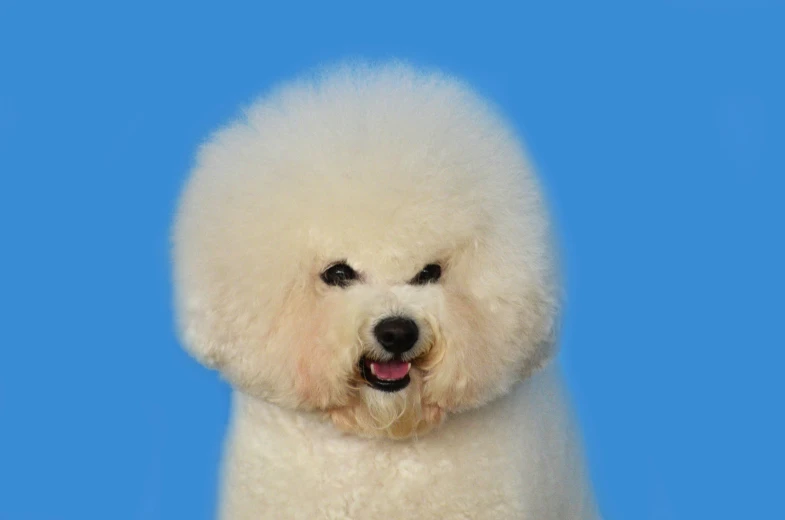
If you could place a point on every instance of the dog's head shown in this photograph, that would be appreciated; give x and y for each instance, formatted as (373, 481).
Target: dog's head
(370, 244)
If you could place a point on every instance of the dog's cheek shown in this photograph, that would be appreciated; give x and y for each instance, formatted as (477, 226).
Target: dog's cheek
(477, 355)
(448, 364)
(312, 355)
(312, 392)
(324, 353)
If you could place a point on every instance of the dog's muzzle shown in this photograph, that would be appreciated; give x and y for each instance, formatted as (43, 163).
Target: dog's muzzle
(397, 335)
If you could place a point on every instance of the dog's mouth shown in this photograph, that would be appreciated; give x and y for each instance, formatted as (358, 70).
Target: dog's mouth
(387, 376)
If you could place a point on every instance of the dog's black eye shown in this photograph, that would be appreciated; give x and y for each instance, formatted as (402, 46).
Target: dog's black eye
(429, 274)
(339, 275)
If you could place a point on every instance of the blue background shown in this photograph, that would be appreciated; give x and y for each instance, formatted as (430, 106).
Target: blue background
(658, 130)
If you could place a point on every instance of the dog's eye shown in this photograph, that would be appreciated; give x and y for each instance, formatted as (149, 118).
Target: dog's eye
(339, 275)
(429, 274)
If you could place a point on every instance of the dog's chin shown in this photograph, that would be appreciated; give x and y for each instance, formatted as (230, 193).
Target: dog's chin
(388, 408)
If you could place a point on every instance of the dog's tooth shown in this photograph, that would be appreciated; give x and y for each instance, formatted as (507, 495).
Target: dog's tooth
(373, 368)
(408, 366)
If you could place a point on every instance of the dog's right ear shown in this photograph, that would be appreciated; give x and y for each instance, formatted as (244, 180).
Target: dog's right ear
(191, 329)
(547, 346)
(200, 318)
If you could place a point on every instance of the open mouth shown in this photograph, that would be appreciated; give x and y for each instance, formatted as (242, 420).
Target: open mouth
(387, 376)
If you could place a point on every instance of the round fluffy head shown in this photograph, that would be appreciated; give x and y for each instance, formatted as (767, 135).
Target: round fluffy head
(371, 244)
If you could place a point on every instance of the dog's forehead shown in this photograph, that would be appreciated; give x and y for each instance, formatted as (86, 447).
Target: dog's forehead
(378, 221)
(381, 252)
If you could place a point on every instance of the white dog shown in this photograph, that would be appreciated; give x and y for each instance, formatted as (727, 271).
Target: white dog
(365, 256)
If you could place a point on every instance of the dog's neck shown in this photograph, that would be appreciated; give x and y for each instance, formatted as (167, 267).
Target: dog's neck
(519, 450)
(247, 409)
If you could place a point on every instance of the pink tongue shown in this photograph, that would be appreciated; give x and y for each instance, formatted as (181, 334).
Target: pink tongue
(390, 370)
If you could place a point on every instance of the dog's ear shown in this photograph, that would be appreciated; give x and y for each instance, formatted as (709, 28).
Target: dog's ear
(210, 316)
(547, 340)
(196, 330)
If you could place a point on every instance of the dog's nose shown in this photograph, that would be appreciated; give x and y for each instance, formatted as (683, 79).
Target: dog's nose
(396, 335)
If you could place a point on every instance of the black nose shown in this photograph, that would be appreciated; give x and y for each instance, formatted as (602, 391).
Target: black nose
(396, 335)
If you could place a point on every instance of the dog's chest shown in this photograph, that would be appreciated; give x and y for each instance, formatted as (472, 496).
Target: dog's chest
(506, 461)
(379, 480)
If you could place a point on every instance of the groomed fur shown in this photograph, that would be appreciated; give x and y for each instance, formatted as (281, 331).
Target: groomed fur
(389, 169)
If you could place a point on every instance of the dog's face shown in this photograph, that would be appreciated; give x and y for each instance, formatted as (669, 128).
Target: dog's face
(372, 247)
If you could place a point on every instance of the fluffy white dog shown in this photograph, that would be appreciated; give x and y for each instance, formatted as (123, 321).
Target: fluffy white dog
(365, 256)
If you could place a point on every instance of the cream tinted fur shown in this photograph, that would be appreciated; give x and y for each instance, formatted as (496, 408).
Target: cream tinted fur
(511, 459)
(388, 169)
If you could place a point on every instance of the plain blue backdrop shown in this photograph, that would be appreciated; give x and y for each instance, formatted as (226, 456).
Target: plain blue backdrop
(657, 128)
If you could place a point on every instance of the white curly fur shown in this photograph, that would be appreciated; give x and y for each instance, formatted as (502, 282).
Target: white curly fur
(387, 168)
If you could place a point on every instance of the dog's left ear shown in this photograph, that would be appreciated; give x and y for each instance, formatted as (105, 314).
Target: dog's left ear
(544, 334)
(195, 330)
(547, 347)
